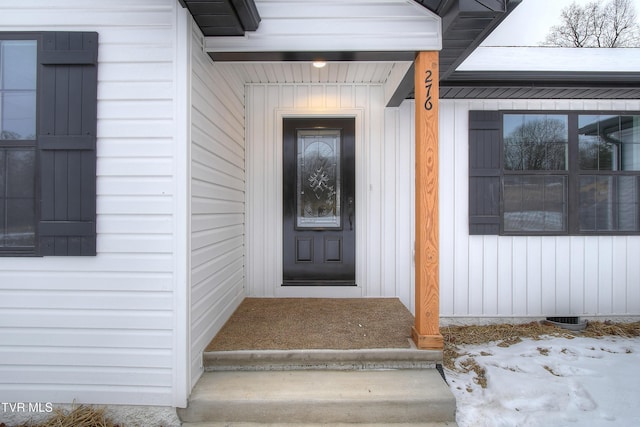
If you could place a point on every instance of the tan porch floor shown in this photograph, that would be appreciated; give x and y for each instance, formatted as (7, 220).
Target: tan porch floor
(316, 323)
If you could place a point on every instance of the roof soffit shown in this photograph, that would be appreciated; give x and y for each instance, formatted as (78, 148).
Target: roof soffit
(223, 17)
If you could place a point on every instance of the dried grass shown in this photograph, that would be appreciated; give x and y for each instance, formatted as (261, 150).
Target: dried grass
(599, 329)
(505, 335)
(78, 416)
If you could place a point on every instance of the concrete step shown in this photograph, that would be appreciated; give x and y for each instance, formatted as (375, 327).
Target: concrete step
(322, 397)
(252, 360)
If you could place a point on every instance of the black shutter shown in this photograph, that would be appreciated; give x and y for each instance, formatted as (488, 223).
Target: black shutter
(484, 172)
(67, 115)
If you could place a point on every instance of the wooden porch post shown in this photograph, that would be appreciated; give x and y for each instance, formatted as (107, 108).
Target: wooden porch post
(426, 331)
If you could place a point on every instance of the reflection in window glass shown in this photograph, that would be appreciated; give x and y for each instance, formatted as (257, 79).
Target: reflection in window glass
(609, 142)
(18, 76)
(17, 198)
(535, 141)
(18, 89)
(535, 203)
(609, 203)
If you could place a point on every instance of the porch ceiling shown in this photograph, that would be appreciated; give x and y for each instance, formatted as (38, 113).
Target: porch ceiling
(465, 24)
(304, 72)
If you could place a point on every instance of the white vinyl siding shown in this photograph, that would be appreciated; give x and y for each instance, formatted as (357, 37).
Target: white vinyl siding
(525, 276)
(217, 198)
(101, 329)
(398, 232)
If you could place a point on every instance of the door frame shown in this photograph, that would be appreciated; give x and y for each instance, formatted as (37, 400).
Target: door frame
(317, 270)
(361, 200)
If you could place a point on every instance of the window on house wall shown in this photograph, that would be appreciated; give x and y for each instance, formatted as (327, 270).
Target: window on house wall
(554, 173)
(18, 64)
(535, 160)
(608, 182)
(48, 96)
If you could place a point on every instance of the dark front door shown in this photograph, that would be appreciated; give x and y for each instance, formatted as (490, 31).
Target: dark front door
(319, 201)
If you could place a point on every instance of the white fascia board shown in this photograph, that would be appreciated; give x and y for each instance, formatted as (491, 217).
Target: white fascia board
(353, 25)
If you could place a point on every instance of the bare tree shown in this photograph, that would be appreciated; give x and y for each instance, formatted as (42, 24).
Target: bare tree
(611, 24)
(621, 24)
(537, 145)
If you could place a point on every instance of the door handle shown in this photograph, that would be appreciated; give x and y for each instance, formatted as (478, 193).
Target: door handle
(350, 211)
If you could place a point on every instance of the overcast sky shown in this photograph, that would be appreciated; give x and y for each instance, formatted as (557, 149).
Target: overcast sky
(529, 23)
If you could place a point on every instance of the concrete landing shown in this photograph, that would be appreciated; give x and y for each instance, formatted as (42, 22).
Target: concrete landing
(322, 397)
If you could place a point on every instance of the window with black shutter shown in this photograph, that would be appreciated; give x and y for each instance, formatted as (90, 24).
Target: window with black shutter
(554, 173)
(48, 104)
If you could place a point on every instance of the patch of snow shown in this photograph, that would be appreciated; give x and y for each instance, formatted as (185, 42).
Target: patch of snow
(519, 58)
(551, 382)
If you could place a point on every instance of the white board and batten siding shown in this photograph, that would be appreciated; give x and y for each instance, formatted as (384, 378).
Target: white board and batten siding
(217, 198)
(103, 329)
(501, 277)
(384, 249)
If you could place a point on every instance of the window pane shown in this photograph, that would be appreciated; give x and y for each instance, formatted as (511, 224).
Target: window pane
(535, 203)
(630, 143)
(20, 223)
(18, 89)
(535, 141)
(18, 59)
(318, 179)
(609, 142)
(18, 115)
(3, 175)
(20, 173)
(17, 198)
(609, 203)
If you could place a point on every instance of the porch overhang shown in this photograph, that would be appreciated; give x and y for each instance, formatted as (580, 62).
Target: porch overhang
(297, 27)
(232, 29)
(358, 30)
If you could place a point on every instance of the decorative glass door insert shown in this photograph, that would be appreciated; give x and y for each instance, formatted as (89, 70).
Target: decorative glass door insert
(318, 179)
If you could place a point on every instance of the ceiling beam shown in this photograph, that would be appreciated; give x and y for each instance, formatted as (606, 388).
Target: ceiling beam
(405, 87)
(378, 56)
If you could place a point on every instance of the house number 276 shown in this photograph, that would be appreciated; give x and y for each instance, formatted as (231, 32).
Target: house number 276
(428, 83)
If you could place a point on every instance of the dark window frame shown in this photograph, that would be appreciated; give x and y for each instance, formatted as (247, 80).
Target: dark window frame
(65, 144)
(30, 143)
(573, 174)
(486, 174)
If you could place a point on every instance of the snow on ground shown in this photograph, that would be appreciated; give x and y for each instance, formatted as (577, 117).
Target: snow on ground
(552, 382)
